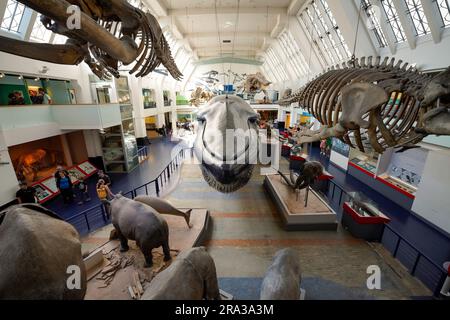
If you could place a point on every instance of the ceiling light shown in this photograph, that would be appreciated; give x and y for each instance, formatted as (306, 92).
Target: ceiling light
(37, 79)
(20, 77)
(228, 24)
(2, 75)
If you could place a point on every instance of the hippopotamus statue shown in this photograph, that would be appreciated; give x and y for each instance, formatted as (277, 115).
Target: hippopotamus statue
(36, 250)
(164, 207)
(282, 280)
(192, 276)
(136, 221)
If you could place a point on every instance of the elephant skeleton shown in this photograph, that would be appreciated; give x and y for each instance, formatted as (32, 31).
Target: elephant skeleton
(110, 32)
(376, 104)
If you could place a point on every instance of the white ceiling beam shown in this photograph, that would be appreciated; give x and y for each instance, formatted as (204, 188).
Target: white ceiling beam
(406, 22)
(431, 11)
(157, 7)
(387, 30)
(281, 24)
(227, 48)
(295, 6)
(226, 10)
(224, 35)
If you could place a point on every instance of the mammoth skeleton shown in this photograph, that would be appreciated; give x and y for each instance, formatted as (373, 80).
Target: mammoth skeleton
(110, 33)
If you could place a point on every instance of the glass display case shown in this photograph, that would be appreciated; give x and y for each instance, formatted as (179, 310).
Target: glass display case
(167, 100)
(119, 144)
(366, 161)
(404, 170)
(149, 98)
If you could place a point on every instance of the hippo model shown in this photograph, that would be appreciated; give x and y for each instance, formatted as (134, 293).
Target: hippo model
(227, 142)
(164, 207)
(136, 221)
(282, 280)
(38, 253)
(192, 276)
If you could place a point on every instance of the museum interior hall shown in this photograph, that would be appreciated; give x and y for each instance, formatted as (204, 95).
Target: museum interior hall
(225, 150)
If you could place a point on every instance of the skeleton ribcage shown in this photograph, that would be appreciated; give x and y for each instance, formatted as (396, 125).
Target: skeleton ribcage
(391, 123)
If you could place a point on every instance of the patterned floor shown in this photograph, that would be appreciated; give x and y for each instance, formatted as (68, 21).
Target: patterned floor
(247, 232)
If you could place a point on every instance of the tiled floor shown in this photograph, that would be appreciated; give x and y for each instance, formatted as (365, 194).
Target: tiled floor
(247, 232)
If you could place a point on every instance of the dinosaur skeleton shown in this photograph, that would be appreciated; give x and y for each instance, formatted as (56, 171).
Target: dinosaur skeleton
(200, 96)
(112, 32)
(255, 83)
(376, 104)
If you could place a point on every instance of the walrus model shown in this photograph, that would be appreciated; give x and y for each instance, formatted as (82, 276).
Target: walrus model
(38, 253)
(192, 276)
(282, 280)
(136, 221)
(164, 207)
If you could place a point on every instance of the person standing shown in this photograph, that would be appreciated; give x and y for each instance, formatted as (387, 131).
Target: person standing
(46, 99)
(104, 177)
(83, 191)
(104, 194)
(26, 194)
(65, 186)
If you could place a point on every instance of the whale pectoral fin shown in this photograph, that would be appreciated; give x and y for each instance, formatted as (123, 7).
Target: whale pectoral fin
(188, 218)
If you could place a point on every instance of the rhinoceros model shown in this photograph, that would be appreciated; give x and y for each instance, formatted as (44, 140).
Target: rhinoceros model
(134, 220)
(282, 280)
(192, 276)
(38, 253)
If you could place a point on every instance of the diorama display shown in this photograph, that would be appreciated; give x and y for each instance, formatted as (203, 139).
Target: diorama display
(217, 172)
(23, 90)
(99, 42)
(358, 104)
(36, 164)
(362, 218)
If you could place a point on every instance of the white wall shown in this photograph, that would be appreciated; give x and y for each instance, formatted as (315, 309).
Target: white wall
(433, 196)
(78, 74)
(9, 184)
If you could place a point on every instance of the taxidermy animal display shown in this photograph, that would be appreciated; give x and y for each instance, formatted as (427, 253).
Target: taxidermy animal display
(374, 104)
(30, 163)
(282, 280)
(309, 172)
(191, 276)
(111, 32)
(164, 207)
(36, 250)
(134, 220)
(226, 165)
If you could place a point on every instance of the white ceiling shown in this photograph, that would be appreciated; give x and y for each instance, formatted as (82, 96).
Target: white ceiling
(246, 23)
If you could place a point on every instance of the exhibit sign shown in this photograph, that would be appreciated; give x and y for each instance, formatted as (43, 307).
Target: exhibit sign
(340, 153)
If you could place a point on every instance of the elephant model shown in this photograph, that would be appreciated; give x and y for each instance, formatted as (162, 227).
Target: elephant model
(192, 276)
(137, 221)
(282, 280)
(39, 255)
